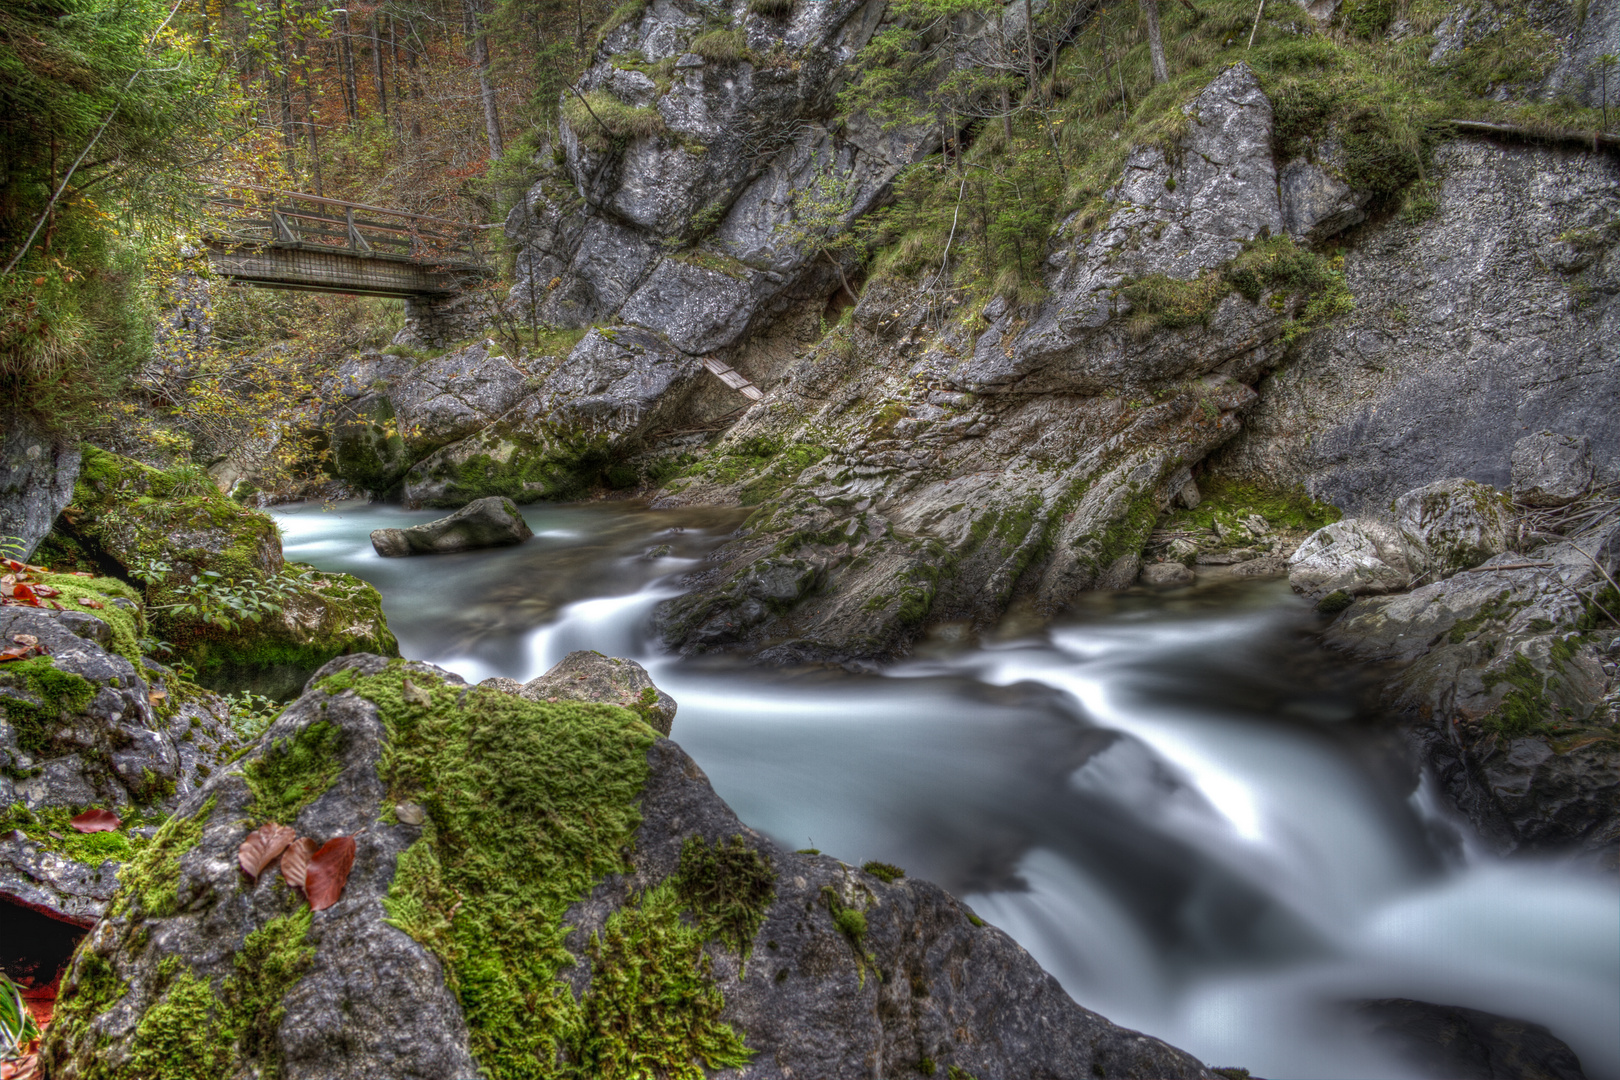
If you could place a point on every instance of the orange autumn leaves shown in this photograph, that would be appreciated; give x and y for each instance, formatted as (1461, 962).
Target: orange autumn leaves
(321, 872)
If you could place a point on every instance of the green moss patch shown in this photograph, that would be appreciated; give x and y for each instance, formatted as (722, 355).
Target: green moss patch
(35, 695)
(294, 772)
(529, 805)
(728, 886)
(50, 828)
(128, 623)
(652, 1008)
(1290, 509)
(148, 885)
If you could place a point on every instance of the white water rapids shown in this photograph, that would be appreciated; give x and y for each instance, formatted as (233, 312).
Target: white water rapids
(1179, 806)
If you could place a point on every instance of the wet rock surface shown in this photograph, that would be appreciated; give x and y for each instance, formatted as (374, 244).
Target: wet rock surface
(84, 727)
(843, 973)
(1447, 1042)
(1506, 690)
(483, 523)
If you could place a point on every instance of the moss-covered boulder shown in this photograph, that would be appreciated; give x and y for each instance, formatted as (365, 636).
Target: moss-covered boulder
(86, 723)
(610, 680)
(540, 890)
(216, 587)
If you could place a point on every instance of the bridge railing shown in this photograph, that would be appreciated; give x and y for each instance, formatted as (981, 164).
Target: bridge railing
(257, 215)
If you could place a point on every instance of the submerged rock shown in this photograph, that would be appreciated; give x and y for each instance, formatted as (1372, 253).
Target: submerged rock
(86, 726)
(1166, 573)
(1551, 469)
(576, 899)
(608, 680)
(1448, 1042)
(488, 522)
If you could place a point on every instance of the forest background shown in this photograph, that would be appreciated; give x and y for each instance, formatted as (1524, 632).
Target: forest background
(116, 115)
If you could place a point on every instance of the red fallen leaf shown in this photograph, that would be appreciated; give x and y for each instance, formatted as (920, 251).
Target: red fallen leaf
(16, 654)
(45, 590)
(262, 846)
(89, 603)
(295, 860)
(328, 872)
(57, 604)
(96, 821)
(25, 593)
(16, 567)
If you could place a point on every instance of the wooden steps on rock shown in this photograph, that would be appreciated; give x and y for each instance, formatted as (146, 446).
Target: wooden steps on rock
(733, 378)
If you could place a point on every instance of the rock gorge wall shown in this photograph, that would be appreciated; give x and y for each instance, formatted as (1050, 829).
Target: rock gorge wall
(1229, 316)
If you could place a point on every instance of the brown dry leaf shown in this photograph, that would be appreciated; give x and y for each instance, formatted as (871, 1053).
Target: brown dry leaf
(156, 696)
(262, 846)
(328, 872)
(96, 821)
(89, 603)
(25, 639)
(295, 860)
(15, 654)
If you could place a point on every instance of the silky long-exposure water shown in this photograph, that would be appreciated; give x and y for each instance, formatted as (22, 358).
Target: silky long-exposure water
(1177, 804)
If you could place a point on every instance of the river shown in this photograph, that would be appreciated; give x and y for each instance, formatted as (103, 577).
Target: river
(1181, 807)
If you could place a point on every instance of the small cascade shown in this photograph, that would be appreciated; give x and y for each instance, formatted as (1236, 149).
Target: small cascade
(1188, 814)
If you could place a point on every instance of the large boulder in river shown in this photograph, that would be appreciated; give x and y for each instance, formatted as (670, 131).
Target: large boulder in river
(483, 523)
(216, 586)
(1457, 524)
(610, 680)
(1354, 557)
(1550, 469)
(539, 889)
(1503, 679)
(85, 723)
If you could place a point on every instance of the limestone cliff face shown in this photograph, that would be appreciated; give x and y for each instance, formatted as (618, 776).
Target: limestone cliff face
(1495, 317)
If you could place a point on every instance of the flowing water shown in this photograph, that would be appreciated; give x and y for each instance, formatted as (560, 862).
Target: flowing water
(1183, 809)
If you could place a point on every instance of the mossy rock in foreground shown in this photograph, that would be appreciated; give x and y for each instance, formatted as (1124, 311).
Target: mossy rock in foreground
(542, 889)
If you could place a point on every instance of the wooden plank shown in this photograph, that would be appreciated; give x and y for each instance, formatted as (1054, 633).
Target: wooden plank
(732, 378)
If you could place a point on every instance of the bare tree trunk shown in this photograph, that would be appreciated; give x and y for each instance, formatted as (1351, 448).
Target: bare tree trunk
(314, 144)
(351, 95)
(377, 64)
(492, 117)
(283, 89)
(1029, 44)
(1150, 9)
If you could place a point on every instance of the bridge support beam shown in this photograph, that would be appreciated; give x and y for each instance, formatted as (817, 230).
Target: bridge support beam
(432, 322)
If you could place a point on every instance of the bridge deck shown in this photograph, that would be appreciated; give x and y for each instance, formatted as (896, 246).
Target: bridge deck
(288, 240)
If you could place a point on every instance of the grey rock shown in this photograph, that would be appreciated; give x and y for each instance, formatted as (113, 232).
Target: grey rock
(37, 470)
(1315, 204)
(1463, 340)
(1449, 1042)
(1176, 218)
(1264, 566)
(1166, 573)
(487, 522)
(611, 680)
(1503, 696)
(1550, 469)
(373, 1002)
(1456, 523)
(115, 752)
(1356, 556)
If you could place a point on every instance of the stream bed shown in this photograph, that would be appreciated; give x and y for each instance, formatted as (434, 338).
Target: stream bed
(1185, 810)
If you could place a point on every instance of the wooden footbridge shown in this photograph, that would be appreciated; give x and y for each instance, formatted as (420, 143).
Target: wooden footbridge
(289, 240)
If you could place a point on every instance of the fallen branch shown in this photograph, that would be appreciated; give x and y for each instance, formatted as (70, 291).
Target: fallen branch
(1595, 139)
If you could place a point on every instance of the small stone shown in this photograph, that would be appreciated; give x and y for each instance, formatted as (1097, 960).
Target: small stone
(1166, 574)
(410, 813)
(490, 522)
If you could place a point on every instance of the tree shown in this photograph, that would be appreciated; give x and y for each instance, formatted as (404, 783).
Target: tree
(822, 212)
(1150, 11)
(104, 107)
